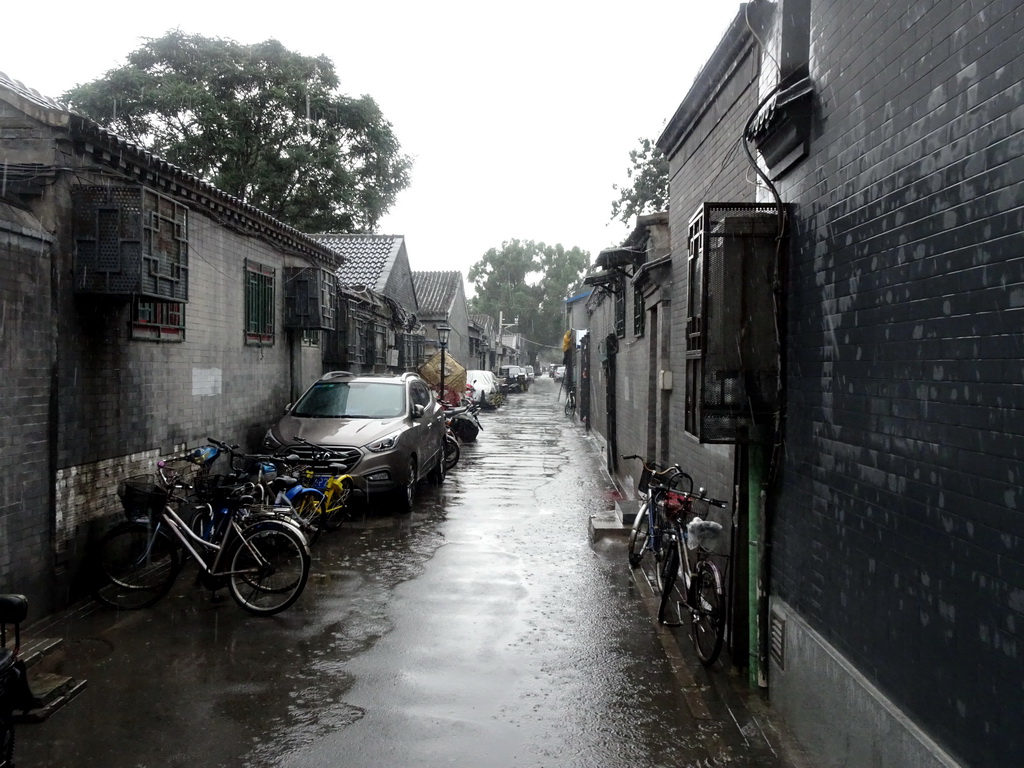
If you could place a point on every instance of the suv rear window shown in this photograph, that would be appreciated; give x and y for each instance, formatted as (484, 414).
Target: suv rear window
(352, 400)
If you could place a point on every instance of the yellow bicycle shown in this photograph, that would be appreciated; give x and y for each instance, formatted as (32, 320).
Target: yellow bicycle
(330, 510)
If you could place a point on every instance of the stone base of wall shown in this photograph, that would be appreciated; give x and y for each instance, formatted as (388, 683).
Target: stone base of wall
(837, 715)
(87, 494)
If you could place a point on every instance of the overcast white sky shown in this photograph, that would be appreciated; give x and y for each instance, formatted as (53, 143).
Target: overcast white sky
(519, 116)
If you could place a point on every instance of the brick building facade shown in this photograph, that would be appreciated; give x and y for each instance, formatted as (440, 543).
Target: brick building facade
(891, 134)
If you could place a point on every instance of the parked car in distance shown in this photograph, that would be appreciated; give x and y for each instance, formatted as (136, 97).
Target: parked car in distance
(559, 372)
(529, 372)
(480, 385)
(508, 377)
(388, 431)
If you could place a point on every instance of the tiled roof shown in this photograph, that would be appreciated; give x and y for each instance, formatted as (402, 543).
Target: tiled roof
(436, 291)
(367, 259)
(135, 158)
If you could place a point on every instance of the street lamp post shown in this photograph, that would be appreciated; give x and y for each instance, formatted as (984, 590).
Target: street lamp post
(444, 332)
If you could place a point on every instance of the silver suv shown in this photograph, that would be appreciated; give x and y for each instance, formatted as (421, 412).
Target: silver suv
(387, 430)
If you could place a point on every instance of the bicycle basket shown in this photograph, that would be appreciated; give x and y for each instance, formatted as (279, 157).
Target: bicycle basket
(142, 497)
(645, 480)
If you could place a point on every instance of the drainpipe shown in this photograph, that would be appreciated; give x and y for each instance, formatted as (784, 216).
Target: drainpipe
(757, 674)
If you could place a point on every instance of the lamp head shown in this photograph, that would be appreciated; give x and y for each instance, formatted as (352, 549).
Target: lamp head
(444, 332)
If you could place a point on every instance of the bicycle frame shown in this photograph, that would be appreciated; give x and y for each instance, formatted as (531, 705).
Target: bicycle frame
(186, 536)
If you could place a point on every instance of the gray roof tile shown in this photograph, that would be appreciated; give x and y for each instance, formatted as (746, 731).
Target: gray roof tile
(367, 259)
(436, 291)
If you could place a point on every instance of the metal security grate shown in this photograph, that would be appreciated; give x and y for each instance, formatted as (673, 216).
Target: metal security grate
(130, 241)
(777, 639)
(309, 298)
(732, 349)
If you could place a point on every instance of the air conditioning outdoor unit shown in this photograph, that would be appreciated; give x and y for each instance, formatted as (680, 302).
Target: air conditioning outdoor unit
(130, 241)
(309, 299)
(733, 353)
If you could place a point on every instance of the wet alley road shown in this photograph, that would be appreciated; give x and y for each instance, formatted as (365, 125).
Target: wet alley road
(484, 629)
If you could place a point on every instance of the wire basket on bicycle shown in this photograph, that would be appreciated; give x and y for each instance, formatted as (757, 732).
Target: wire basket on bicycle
(142, 496)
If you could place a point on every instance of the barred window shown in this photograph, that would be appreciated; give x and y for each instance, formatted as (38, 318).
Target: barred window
(157, 321)
(259, 304)
(639, 315)
(620, 307)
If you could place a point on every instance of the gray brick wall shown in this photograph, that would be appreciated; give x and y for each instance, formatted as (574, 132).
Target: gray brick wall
(898, 532)
(27, 349)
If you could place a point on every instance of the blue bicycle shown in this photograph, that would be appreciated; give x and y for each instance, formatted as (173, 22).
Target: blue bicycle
(648, 532)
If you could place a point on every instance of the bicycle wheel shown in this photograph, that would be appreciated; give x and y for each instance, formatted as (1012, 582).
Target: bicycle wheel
(707, 608)
(337, 506)
(668, 570)
(452, 451)
(311, 509)
(201, 522)
(137, 564)
(638, 536)
(269, 569)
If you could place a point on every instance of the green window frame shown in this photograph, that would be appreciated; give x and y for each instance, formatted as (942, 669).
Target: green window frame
(260, 284)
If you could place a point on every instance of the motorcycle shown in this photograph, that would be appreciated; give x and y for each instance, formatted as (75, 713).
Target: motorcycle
(15, 693)
(464, 422)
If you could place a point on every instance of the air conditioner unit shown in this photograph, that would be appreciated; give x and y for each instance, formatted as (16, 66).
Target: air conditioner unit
(129, 241)
(309, 299)
(732, 346)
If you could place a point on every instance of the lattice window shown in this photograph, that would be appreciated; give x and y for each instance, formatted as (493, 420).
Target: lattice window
(620, 307)
(259, 304)
(639, 315)
(157, 321)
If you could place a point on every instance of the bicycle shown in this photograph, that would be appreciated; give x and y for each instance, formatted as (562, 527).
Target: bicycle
(268, 475)
(264, 563)
(700, 585)
(570, 403)
(648, 529)
(330, 509)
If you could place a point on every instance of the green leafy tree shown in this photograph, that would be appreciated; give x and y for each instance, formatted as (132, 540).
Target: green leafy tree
(531, 281)
(648, 190)
(260, 122)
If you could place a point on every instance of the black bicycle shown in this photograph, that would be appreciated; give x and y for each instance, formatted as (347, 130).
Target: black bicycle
(570, 403)
(689, 577)
(649, 528)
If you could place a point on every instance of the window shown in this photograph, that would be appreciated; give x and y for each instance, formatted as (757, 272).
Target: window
(158, 320)
(352, 400)
(620, 307)
(380, 343)
(639, 315)
(310, 338)
(259, 304)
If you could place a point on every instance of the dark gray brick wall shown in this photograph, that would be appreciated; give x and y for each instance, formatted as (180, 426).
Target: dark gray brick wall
(710, 166)
(27, 349)
(898, 532)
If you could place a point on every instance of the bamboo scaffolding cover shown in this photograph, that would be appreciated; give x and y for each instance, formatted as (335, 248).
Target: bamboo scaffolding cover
(454, 373)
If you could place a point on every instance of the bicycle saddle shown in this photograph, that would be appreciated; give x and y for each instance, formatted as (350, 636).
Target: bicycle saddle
(13, 609)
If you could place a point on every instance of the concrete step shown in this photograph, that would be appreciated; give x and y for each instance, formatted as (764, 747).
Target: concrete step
(53, 691)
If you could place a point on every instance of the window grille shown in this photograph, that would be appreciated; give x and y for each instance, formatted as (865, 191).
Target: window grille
(639, 314)
(620, 307)
(732, 353)
(259, 304)
(157, 320)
